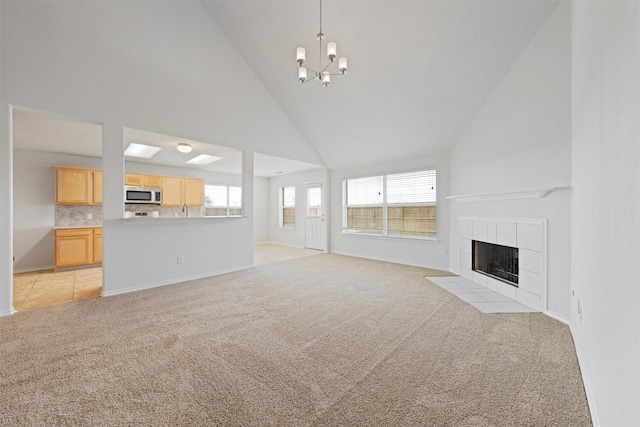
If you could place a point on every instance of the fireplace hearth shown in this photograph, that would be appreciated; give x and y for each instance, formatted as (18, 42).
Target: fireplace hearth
(499, 262)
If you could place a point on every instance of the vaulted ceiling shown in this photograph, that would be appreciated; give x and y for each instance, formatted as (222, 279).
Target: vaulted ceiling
(419, 71)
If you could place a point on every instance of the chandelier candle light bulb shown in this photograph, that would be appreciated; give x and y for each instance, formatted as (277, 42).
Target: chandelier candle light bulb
(322, 73)
(300, 56)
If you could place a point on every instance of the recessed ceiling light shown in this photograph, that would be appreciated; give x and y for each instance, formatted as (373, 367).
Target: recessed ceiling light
(141, 150)
(203, 159)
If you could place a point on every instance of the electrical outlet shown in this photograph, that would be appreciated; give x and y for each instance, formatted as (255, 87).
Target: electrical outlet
(445, 251)
(181, 259)
(89, 216)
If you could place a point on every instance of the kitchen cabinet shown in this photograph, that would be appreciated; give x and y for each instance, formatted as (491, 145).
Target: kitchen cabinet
(177, 191)
(97, 187)
(140, 180)
(78, 186)
(97, 245)
(193, 192)
(152, 181)
(74, 186)
(172, 191)
(77, 246)
(133, 179)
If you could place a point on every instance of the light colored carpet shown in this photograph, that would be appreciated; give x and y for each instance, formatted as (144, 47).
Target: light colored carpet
(319, 340)
(266, 253)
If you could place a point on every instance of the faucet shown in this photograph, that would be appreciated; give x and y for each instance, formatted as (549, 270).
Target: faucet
(185, 207)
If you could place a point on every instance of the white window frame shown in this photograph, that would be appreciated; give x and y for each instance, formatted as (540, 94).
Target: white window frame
(281, 207)
(227, 206)
(384, 233)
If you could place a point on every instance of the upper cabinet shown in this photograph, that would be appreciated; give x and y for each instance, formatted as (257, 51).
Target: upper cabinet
(177, 191)
(78, 186)
(172, 192)
(193, 192)
(97, 187)
(140, 180)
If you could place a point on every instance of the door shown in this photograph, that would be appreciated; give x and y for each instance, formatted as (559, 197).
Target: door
(316, 237)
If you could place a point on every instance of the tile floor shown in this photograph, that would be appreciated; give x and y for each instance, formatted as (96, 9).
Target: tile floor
(484, 299)
(39, 289)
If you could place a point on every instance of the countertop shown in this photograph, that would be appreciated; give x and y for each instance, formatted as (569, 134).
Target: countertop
(66, 227)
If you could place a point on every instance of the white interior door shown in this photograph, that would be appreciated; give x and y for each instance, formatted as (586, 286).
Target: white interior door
(316, 236)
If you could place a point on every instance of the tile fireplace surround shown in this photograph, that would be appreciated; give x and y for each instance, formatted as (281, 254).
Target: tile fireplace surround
(529, 236)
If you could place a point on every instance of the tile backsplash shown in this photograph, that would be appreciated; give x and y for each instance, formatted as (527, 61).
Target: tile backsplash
(78, 216)
(164, 211)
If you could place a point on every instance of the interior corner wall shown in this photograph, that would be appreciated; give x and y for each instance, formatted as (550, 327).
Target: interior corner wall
(419, 252)
(285, 236)
(605, 221)
(521, 139)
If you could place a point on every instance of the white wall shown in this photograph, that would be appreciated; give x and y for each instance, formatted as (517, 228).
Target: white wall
(34, 205)
(286, 236)
(144, 65)
(261, 211)
(605, 220)
(521, 139)
(418, 252)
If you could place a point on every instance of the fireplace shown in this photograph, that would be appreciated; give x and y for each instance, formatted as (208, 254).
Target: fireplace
(499, 262)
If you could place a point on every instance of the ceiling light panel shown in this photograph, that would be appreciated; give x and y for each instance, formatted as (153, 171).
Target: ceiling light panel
(141, 151)
(203, 159)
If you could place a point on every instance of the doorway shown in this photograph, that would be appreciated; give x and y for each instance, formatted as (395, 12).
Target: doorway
(315, 237)
(57, 209)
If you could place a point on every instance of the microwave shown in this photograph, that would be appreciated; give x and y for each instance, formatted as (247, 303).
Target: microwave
(151, 195)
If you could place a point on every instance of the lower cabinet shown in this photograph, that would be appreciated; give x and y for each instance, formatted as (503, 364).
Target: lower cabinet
(77, 246)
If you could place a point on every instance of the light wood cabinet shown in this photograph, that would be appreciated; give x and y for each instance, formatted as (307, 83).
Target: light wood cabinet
(97, 245)
(193, 192)
(152, 181)
(77, 246)
(97, 187)
(178, 191)
(172, 191)
(74, 186)
(133, 179)
(78, 186)
(140, 180)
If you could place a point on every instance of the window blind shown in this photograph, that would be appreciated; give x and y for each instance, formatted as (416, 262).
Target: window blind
(412, 187)
(364, 191)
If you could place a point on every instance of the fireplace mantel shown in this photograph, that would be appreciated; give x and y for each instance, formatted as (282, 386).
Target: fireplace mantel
(529, 193)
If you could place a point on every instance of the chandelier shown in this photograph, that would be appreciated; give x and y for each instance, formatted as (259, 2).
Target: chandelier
(322, 73)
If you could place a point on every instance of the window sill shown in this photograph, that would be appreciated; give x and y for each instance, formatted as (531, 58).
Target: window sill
(382, 237)
(287, 229)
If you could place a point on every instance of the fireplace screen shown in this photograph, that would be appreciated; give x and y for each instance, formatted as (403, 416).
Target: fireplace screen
(499, 262)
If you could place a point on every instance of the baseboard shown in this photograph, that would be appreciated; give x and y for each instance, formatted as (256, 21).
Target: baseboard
(585, 381)
(280, 244)
(170, 282)
(8, 312)
(30, 269)
(395, 261)
(556, 316)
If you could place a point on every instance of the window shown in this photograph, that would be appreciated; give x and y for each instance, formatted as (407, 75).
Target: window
(288, 207)
(222, 200)
(402, 204)
(314, 202)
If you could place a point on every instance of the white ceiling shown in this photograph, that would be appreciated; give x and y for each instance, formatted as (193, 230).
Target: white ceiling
(39, 131)
(419, 71)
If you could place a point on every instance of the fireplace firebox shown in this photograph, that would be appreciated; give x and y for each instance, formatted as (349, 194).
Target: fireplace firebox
(499, 262)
